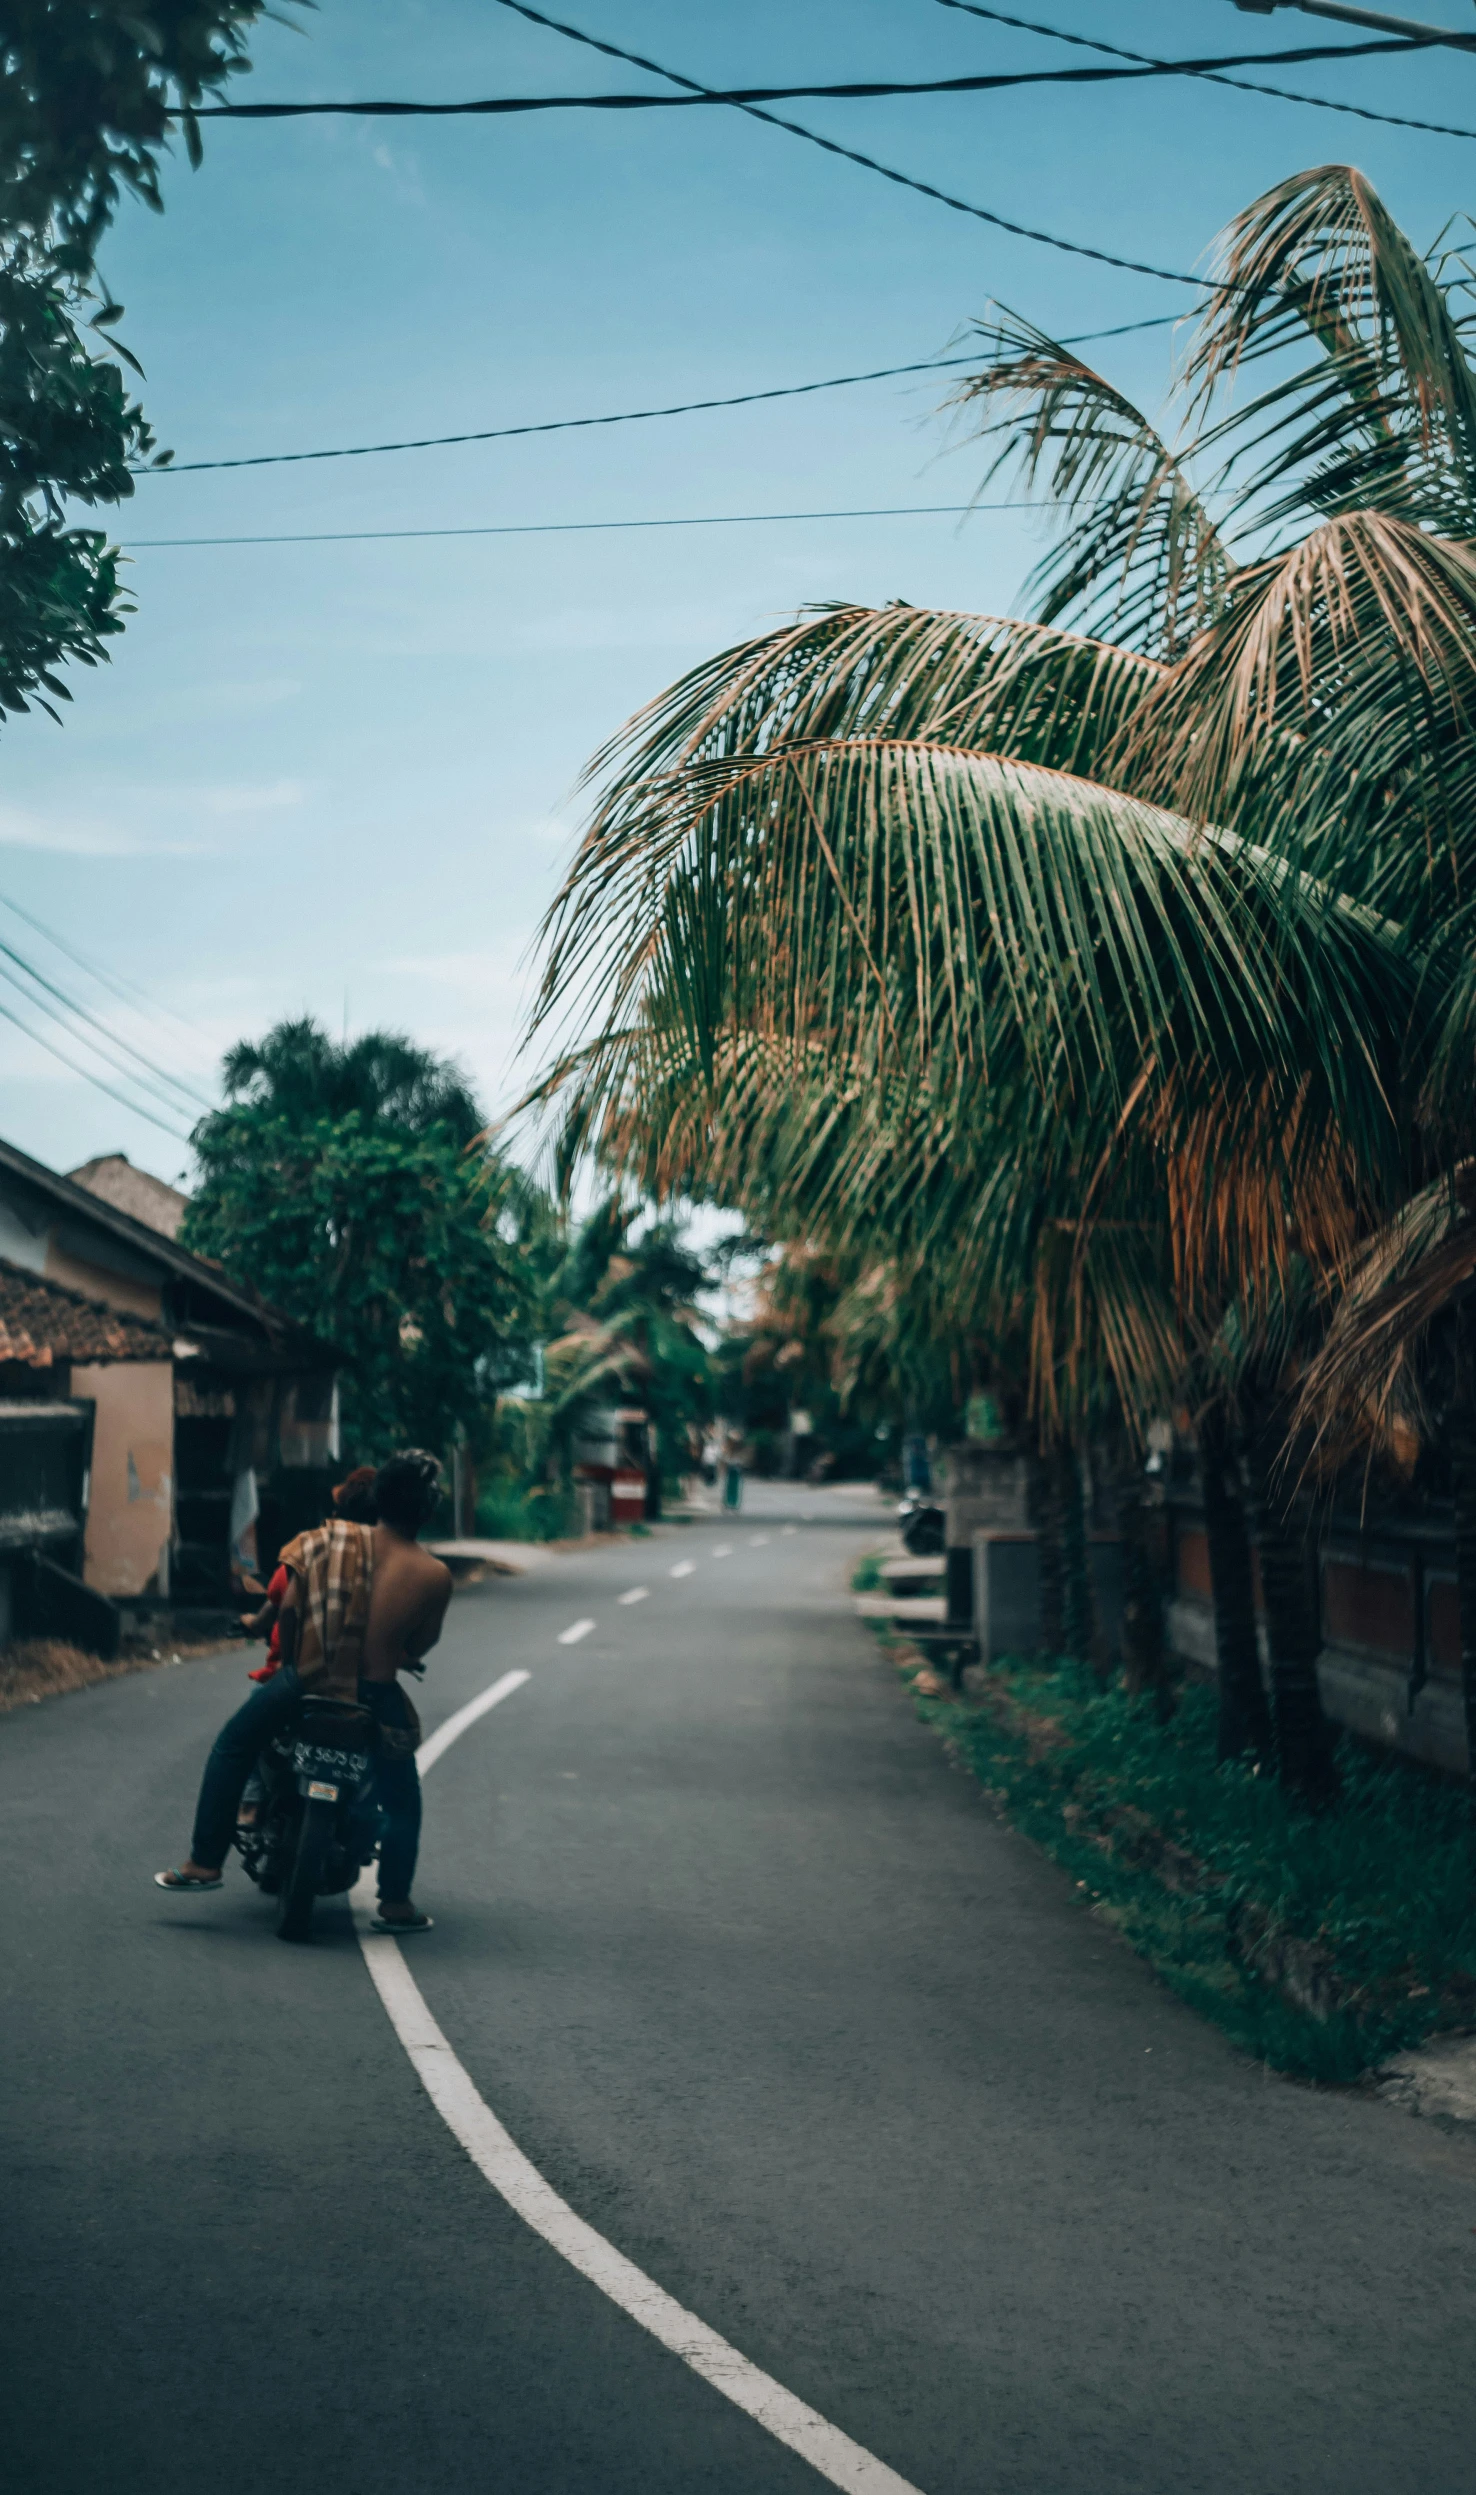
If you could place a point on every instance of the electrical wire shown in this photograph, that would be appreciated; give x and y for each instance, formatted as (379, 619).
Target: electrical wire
(88, 1076)
(572, 528)
(124, 989)
(854, 156)
(165, 1087)
(853, 90)
(1212, 71)
(634, 415)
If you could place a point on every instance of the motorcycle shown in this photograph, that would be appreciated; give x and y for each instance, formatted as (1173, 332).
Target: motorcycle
(317, 1819)
(921, 1524)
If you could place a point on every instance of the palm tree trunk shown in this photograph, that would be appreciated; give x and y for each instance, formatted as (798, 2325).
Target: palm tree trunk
(1245, 1716)
(1044, 1509)
(1144, 1668)
(1077, 1608)
(1283, 1529)
(1463, 1485)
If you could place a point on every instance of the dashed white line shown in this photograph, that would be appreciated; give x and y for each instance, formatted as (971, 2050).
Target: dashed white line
(633, 1594)
(758, 1541)
(683, 1568)
(722, 1550)
(571, 1636)
(789, 1529)
(467, 2115)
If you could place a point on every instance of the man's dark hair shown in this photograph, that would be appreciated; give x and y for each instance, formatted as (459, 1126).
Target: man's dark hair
(353, 1501)
(407, 1490)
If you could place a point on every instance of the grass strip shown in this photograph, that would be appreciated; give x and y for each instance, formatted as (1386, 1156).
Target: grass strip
(1320, 1942)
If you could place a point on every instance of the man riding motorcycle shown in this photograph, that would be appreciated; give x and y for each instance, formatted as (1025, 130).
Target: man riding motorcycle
(363, 1603)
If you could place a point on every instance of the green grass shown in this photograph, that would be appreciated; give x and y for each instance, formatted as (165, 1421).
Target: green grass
(866, 1576)
(1382, 1885)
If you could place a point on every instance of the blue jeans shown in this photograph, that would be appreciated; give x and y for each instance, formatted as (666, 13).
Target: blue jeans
(240, 1743)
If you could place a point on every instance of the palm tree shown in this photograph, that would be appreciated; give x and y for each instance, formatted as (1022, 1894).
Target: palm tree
(1125, 927)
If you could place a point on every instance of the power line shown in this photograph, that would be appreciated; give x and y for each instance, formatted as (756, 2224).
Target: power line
(633, 415)
(164, 1086)
(124, 989)
(852, 90)
(88, 1076)
(852, 155)
(572, 528)
(1213, 71)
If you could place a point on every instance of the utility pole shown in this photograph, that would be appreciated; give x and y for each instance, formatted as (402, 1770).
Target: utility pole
(1381, 23)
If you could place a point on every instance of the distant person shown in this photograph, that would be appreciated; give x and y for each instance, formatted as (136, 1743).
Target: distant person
(363, 1603)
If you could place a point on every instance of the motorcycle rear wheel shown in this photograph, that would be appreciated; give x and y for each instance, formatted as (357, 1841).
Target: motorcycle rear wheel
(315, 1838)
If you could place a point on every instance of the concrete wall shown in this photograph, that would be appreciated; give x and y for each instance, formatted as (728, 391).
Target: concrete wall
(1389, 1668)
(130, 1517)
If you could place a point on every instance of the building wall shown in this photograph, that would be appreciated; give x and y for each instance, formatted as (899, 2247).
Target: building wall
(130, 1517)
(1389, 1667)
(140, 1294)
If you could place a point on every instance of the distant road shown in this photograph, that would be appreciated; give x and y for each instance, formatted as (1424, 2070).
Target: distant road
(771, 2000)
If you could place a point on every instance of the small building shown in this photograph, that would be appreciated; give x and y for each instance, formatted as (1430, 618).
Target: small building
(150, 1200)
(198, 1425)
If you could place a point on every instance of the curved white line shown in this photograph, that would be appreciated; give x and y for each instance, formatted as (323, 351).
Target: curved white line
(442, 1738)
(497, 2156)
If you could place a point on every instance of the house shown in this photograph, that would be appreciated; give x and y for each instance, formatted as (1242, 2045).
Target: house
(150, 1200)
(162, 1430)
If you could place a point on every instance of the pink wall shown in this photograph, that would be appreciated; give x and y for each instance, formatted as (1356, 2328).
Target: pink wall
(130, 1517)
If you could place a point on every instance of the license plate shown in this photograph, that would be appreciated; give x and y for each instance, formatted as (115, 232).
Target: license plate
(341, 1767)
(322, 1793)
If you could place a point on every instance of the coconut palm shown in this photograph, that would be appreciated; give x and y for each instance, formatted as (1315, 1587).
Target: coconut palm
(1116, 938)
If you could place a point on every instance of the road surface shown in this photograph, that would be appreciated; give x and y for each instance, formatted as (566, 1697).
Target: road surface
(764, 1991)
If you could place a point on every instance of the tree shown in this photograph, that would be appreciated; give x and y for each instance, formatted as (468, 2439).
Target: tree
(339, 1182)
(90, 93)
(1095, 972)
(622, 1308)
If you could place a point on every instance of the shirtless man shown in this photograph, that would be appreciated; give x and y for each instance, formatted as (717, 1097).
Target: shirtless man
(406, 1610)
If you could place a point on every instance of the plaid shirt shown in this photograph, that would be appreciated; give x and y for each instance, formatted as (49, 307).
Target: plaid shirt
(334, 1570)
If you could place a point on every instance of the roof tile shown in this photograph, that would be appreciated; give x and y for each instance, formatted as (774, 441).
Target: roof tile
(43, 1322)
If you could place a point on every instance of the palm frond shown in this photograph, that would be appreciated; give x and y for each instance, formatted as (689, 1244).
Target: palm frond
(1047, 696)
(1385, 418)
(1409, 1272)
(1332, 711)
(1139, 558)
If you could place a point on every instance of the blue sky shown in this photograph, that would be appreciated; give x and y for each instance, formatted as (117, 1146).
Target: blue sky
(344, 778)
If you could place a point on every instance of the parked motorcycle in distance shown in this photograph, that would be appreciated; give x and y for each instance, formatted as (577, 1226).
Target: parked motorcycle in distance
(921, 1524)
(317, 1820)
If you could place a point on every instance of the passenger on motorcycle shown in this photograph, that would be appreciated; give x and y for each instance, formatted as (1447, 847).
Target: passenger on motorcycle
(372, 1607)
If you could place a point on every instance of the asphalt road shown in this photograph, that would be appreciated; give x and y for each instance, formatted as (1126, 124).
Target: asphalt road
(764, 1990)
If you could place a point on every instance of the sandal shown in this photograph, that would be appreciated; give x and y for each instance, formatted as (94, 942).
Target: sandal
(187, 1880)
(401, 1923)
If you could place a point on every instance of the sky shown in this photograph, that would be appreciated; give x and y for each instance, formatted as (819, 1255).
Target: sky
(344, 779)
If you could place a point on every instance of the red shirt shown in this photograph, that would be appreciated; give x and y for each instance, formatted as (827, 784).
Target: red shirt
(275, 1593)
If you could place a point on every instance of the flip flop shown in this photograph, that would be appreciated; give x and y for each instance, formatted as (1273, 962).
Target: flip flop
(417, 1923)
(187, 1880)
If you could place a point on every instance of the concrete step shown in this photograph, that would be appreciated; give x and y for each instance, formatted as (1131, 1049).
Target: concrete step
(910, 1571)
(903, 1607)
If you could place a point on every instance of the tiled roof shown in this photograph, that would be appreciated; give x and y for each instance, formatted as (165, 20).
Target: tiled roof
(43, 1322)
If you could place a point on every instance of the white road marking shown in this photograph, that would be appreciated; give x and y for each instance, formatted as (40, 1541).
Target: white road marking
(442, 1738)
(789, 1528)
(633, 1594)
(722, 1550)
(758, 1541)
(683, 1568)
(572, 1636)
(831, 2454)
